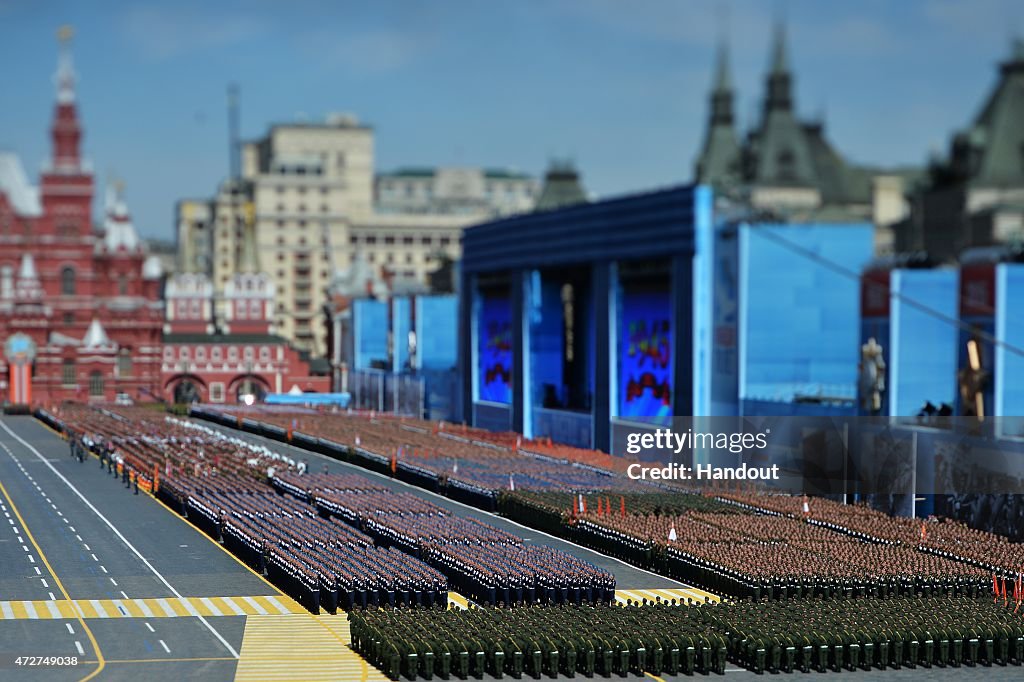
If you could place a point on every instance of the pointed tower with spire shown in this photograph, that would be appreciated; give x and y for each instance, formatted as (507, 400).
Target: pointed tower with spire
(67, 183)
(779, 162)
(719, 164)
(249, 295)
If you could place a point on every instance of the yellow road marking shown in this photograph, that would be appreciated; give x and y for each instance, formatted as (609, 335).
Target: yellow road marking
(268, 650)
(100, 663)
(148, 608)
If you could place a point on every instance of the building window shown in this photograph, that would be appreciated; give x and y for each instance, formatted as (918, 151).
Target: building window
(371, 239)
(389, 240)
(445, 241)
(67, 281)
(68, 372)
(122, 285)
(215, 353)
(7, 281)
(124, 363)
(200, 354)
(96, 383)
(264, 354)
(217, 391)
(69, 319)
(407, 240)
(233, 354)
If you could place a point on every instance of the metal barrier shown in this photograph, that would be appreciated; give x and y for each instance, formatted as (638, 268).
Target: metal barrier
(387, 393)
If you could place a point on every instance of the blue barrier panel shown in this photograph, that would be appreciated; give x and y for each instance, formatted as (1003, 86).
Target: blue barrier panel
(370, 329)
(799, 319)
(437, 332)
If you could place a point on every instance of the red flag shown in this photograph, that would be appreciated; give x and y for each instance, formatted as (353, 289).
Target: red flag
(600, 506)
(583, 504)
(622, 505)
(1004, 591)
(924, 532)
(995, 588)
(394, 463)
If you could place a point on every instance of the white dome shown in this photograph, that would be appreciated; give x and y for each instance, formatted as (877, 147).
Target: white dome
(152, 268)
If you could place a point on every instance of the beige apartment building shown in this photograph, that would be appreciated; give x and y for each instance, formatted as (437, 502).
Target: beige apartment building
(313, 196)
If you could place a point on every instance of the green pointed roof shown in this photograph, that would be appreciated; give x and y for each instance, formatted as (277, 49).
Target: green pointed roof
(561, 187)
(997, 135)
(780, 56)
(719, 162)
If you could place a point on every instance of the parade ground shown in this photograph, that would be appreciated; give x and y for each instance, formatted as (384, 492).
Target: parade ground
(125, 588)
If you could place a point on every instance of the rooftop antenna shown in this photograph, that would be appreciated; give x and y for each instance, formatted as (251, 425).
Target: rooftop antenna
(233, 143)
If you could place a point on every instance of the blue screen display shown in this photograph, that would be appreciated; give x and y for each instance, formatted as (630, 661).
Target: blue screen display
(645, 355)
(494, 363)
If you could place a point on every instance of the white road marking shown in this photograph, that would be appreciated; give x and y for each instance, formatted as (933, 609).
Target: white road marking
(52, 598)
(234, 607)
(94, 557)
(31, 558)
(78, 645)
(210, 605)
(86, 547)
(150, 627)
(113, 582)
(38, 572)
(259, 609)
(124, 595)
(104, 569)
(70, 629)
(30, 610)
(171, 613)
(118, 533)
(164, 646)
(43, 581)
(51, 606)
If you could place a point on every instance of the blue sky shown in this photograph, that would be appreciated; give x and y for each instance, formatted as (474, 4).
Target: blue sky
(618, 85)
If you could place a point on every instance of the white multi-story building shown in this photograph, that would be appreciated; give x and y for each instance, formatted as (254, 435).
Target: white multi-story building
(311, 194)
(464, 191)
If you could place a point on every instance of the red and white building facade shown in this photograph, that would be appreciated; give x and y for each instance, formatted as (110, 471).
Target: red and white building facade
(80, 308)
(225, 353)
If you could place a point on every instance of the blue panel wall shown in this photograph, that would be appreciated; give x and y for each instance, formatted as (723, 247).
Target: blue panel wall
(799, 316)
(1009, 370)
(371, 333)
(401, 325)
(546, 342)
(437, 331)
(923, 346)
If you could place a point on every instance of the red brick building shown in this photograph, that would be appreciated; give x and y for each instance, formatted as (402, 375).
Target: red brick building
(80, 309)
(221, 350)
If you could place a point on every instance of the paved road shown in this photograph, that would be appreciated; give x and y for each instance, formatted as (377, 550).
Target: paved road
(69, 534)
(46, 525)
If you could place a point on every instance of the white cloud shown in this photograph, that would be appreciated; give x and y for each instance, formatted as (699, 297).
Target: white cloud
(162, 33)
